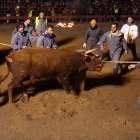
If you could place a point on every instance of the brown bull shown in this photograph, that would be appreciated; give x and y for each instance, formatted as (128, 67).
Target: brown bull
(48, 63)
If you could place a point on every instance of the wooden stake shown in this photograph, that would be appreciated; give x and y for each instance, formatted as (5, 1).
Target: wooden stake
(5, 44)
(121, 62)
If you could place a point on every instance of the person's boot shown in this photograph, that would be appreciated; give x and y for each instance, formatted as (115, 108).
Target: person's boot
(115, 72)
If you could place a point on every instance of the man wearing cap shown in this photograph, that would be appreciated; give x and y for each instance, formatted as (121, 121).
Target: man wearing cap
(115, 39)
(130, 31)
(92, 37)
(28, 28)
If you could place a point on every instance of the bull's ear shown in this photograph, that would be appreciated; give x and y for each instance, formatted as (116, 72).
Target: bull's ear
(88, 59)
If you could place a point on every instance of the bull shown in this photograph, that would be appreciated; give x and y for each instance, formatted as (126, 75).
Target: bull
(49, 63)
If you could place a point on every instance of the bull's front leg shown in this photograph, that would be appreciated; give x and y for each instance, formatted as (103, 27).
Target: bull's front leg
(61, 81)
(68, 84)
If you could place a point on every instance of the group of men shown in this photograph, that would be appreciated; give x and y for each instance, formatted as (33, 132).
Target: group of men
(24, 34)
(118, 41)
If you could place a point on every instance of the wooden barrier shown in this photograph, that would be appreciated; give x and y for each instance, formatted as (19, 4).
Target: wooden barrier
(122, 17)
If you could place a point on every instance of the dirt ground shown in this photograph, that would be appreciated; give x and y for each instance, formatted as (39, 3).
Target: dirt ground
(106, 110)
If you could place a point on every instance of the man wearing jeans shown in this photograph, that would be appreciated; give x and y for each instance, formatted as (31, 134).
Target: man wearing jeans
(114, 38)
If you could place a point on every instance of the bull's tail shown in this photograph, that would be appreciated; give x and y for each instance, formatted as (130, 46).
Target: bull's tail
(4, 77)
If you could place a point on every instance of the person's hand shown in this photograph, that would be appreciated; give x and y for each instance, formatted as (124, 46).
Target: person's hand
(84, 45)
(24, 47)
(130, 39)
(126, 52)
(38, 36)
(102, 48)
(131, 66)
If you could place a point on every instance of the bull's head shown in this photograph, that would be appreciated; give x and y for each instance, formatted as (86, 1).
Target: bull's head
(92, 61)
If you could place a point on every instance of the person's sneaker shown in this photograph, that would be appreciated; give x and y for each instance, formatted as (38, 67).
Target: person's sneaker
(120, 69)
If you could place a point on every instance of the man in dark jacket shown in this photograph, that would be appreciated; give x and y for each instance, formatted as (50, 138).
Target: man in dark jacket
(92, 37)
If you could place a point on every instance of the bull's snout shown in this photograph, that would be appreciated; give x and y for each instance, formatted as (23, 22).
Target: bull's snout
(99, 67)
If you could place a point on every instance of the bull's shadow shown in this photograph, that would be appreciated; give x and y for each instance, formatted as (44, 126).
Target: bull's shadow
(38, 86)
(66, 40)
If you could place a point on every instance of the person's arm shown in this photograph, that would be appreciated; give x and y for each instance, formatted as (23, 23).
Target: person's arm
(86, 36)
(55, 45)
(40, 42)
(124, 44)
(132, 66)
(122, 29)
(101, 33)
(137, 66)
(14, 43)
(102, 41)
(14, 32)
(32, 31)
(135, 33)
(32, 38)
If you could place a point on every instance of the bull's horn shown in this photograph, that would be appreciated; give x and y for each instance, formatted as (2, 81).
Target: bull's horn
(89, 51)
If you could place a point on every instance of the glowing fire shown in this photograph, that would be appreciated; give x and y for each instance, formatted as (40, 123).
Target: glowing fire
(66, 25)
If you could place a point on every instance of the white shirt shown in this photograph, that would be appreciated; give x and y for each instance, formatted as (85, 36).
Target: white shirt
(130, 32)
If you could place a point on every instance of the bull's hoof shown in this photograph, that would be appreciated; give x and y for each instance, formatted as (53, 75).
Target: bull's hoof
(24, 98)
(75, 94)
(10, 102)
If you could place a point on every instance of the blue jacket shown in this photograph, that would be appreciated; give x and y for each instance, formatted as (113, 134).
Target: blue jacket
(46, 41)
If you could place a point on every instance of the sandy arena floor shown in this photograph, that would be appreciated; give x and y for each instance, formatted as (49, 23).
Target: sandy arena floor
(105, 111)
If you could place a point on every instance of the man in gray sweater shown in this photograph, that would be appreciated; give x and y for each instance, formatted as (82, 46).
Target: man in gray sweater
(92, 37)
(115, 40)
(47, 39)
(22, 39)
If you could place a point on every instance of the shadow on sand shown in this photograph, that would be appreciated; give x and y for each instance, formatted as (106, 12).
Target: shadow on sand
(66, 40)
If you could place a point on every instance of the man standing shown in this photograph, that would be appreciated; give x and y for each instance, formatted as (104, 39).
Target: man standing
(47, 39)
(115, 39)
(116, 12)
(130, 31)
(40, 24)
(92, 37)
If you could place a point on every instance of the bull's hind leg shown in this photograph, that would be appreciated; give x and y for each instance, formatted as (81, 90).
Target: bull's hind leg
(11, 87)
(24, 96)
(68, 85)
